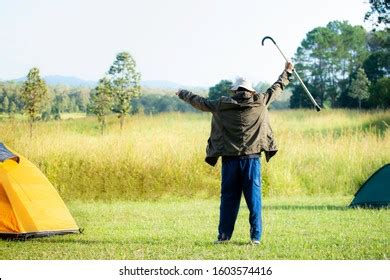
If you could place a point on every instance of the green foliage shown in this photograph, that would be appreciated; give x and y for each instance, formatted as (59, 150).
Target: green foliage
(299, 98)
(102, 101)
(379, 14)
(359, 86)
(45, 116)
(220, 89)
(12, 108)
(5, 105)
(125, 83)
(329, 58)
(60, 99)
(377, 65)
(380, 94)
(157, 103)
(34, 95)
(12, 91)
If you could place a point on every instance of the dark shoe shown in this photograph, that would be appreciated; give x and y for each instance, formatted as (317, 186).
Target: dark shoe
(221, 239)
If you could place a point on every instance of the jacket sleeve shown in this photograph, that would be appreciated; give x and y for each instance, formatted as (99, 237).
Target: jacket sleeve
(198, 102)
(277, 88)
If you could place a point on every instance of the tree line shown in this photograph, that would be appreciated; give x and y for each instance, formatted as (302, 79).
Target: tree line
(66, 99)
(344, 66)
(118, 92)
(59, 99)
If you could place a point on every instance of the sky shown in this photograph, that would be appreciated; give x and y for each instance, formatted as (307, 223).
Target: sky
(190, 42)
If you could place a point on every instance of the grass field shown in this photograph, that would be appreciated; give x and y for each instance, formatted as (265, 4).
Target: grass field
(329, 153)
(294, 228)
(146, 193)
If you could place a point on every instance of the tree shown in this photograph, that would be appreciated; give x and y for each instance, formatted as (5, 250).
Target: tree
(34, 94)
(220, 89)
(327, 58)
(125, 83)
(359, 87)
(314, 56)
(12, 108)
(377, 64)
(61, 102)
(299, 97)
(380, 94)
(12, 91)
(81, 98)
(352, 56)
(102, 101)
(379, 14)
(5, 104)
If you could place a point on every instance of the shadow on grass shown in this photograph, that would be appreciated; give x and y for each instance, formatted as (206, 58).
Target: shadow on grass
(78, 241)
(306, 207)
(136, 241)
(159, 242)
(241, 243)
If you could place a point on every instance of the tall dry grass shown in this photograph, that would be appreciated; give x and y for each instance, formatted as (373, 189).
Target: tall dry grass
(331, 152)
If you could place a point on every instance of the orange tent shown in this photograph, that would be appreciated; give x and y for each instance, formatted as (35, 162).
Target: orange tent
(29, 204)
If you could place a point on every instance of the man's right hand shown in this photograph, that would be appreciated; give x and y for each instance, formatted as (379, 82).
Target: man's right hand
(289, 67)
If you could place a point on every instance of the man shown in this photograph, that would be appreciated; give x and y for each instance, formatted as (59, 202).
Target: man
(240, 131)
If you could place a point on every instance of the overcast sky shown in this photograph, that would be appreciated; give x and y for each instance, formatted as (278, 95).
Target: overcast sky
(193, 42)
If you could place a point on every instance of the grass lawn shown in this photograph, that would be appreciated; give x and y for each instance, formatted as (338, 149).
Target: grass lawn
(294, 228)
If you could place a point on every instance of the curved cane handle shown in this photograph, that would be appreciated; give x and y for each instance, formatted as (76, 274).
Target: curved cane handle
(265, 38)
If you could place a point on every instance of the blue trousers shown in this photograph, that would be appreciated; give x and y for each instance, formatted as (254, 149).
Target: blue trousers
(240, 176)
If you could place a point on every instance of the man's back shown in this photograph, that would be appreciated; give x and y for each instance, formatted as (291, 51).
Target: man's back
(240, 118)
(240, 124)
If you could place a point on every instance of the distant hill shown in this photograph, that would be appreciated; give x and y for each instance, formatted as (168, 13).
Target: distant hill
(74, 82)
(68, 80)
(64, 80)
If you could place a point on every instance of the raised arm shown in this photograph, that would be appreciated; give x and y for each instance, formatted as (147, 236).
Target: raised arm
(276, 89)
(197, 101)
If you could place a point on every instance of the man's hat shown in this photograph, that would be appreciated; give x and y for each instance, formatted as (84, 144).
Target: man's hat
(244, 83)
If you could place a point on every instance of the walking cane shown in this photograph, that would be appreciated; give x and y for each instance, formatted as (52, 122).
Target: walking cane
(318, 108)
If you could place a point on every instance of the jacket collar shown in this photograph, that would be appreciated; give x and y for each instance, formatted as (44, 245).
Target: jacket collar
(242, 95)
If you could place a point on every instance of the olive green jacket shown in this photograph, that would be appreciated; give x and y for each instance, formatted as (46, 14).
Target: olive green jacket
(240, 124)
